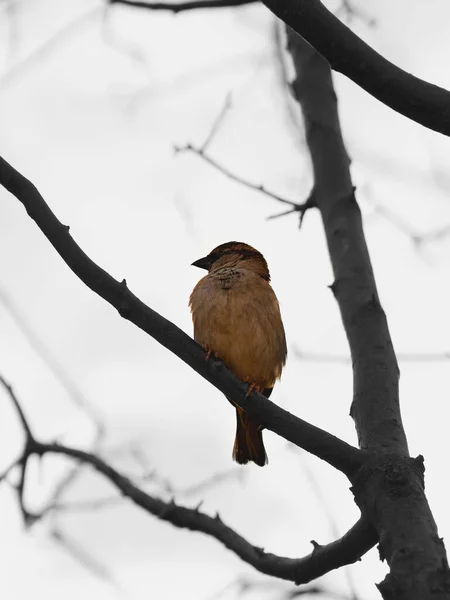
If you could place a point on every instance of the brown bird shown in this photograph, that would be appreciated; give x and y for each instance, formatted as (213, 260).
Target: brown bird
(237, 317)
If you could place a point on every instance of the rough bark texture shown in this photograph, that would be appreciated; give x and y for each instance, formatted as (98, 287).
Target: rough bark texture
(375, 407)
(389, 488)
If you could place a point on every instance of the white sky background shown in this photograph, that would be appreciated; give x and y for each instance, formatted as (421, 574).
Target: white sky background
(92, 123)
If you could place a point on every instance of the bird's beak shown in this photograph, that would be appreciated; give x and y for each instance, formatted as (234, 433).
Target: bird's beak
(202, 263)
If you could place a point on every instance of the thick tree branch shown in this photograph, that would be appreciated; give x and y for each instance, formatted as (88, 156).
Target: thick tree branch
(177, 7)
(389, 488)
(414, 98)
(336, 452)
(375, 407)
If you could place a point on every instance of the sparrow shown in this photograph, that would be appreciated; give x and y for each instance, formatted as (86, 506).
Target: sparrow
(237, 318)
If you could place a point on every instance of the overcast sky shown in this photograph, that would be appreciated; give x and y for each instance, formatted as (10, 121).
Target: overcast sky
(91, 118)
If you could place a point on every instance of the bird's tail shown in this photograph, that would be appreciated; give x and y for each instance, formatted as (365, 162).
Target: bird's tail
(248, 444)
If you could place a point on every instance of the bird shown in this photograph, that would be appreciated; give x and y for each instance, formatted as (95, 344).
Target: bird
(236, 317)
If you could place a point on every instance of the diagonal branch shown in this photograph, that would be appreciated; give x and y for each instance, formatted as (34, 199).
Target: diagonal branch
(177, 7)
(336, 452)
(346, 53)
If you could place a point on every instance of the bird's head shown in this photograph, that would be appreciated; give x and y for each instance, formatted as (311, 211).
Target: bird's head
(232, 254)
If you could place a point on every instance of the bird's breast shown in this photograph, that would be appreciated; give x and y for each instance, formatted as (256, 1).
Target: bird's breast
(239, 319)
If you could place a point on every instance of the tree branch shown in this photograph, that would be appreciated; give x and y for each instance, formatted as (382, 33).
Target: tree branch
(389, 488)
(375, 407)
(414, 98)
(295, 207)
(336, 452)
(348, 549)
(177, 7)
(23, 420)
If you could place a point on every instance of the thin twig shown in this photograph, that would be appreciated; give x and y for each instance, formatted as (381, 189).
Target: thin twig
(177, 7)
(113, 501)
(72, 389)
(302, 209)
(435, 235)
(217, 124)
(296, 207)
(253, 186)
(320, 496)
(16, 462)
(12, 12)
(20, 413)
(343, 359)
(81, 555)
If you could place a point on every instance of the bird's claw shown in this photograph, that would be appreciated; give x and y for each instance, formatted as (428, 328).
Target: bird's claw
(252, 387)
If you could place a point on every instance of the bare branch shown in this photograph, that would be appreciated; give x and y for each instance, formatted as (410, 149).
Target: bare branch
(177, 7)
(348, 549)
(419, 357)
(390, 483)
(321, 500)
(378, 422)
(81, 555)
(414, 98)
(12, 14)
(418, 239)
(20, 413)
(22, 462)
(277, 589)
(253, 186)
(435, 235)
(94, 504)
(218, 122)
(72, 389)
(300, 208)
(336, 452)
(10, 468)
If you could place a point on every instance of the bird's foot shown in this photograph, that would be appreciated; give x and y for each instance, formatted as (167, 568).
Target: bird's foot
(252, 387)
(210, 352)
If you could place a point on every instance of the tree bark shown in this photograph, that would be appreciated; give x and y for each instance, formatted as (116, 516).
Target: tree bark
(389, 488)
